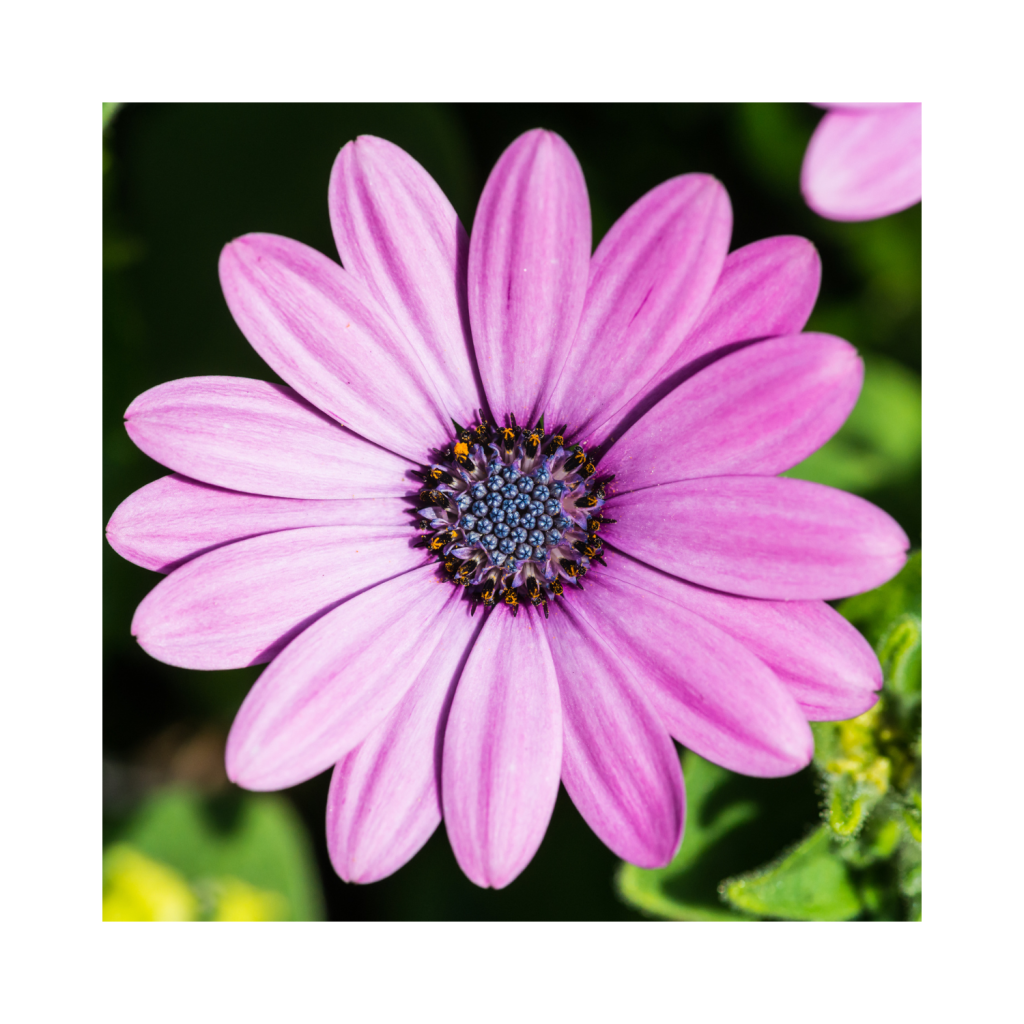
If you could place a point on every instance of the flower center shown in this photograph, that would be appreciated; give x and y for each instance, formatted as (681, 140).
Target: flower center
(512, 511)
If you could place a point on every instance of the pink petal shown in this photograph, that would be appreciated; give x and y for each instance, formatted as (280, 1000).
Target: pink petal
(174, 519)
(757, 411)
(333, 685)
(398, 234)
(820, 658)
(240, 604)
(713, 695)
(321, 330)
(767, 288)
(761, 536)
(502, 750)
(862, 164)
(262, 438)
(618, 763)
(385, 802)
(649, 280)
(528, 259)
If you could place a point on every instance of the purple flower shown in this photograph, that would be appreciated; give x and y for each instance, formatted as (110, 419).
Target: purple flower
(676, 591)
(864, 160)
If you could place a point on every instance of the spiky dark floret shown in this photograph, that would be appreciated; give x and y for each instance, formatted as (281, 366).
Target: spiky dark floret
(578, 457)
(434, 498)
(555, 441)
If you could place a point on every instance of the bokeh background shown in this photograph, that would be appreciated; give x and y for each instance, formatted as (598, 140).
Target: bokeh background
(182, 180)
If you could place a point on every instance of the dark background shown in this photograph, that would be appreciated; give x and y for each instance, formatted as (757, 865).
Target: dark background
(182, 180)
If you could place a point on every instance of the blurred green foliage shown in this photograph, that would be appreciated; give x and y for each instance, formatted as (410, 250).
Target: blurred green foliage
(864, 858)
(182, 180)
(110, 112)
(234, 857)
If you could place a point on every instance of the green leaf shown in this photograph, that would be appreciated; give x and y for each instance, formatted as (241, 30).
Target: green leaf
(899, 651)
(810, 883)
(857, 775)
(881, 440)
(884, 837)
(852, 800)
(255, 839)
(731, 822)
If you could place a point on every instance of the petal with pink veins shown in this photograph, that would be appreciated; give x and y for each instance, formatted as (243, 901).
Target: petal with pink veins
(398, 234)
(766, 289)
(502, 750)
(862, 164)
(529, 254)
(649, 280)
(757, 412)
(341, 678)
(174, 519)
(619, 765)
(385, 799)
(760, 536)
(263, 438)
(712, 694)
(240, 604)
(824, 662)
(321, 330)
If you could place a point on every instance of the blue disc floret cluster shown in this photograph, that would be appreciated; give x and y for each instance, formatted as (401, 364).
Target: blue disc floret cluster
(512, 512)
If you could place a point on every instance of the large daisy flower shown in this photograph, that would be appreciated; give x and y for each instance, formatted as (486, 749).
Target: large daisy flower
(516, 519)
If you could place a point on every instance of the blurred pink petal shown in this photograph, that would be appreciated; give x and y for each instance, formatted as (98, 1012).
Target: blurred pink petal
(864, 162)
(321, 330)
(502, 750)
(618, 763)
(761, 536)
(174, 519)
(758, 411)
(385, 799)
(398, 234)
(649, 280)
(262, 438)
(713, 695)
(240, 604)
(528, 260)
(333, 685)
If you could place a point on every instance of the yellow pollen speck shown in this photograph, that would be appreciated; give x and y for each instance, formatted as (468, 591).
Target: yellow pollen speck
(462, 448)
